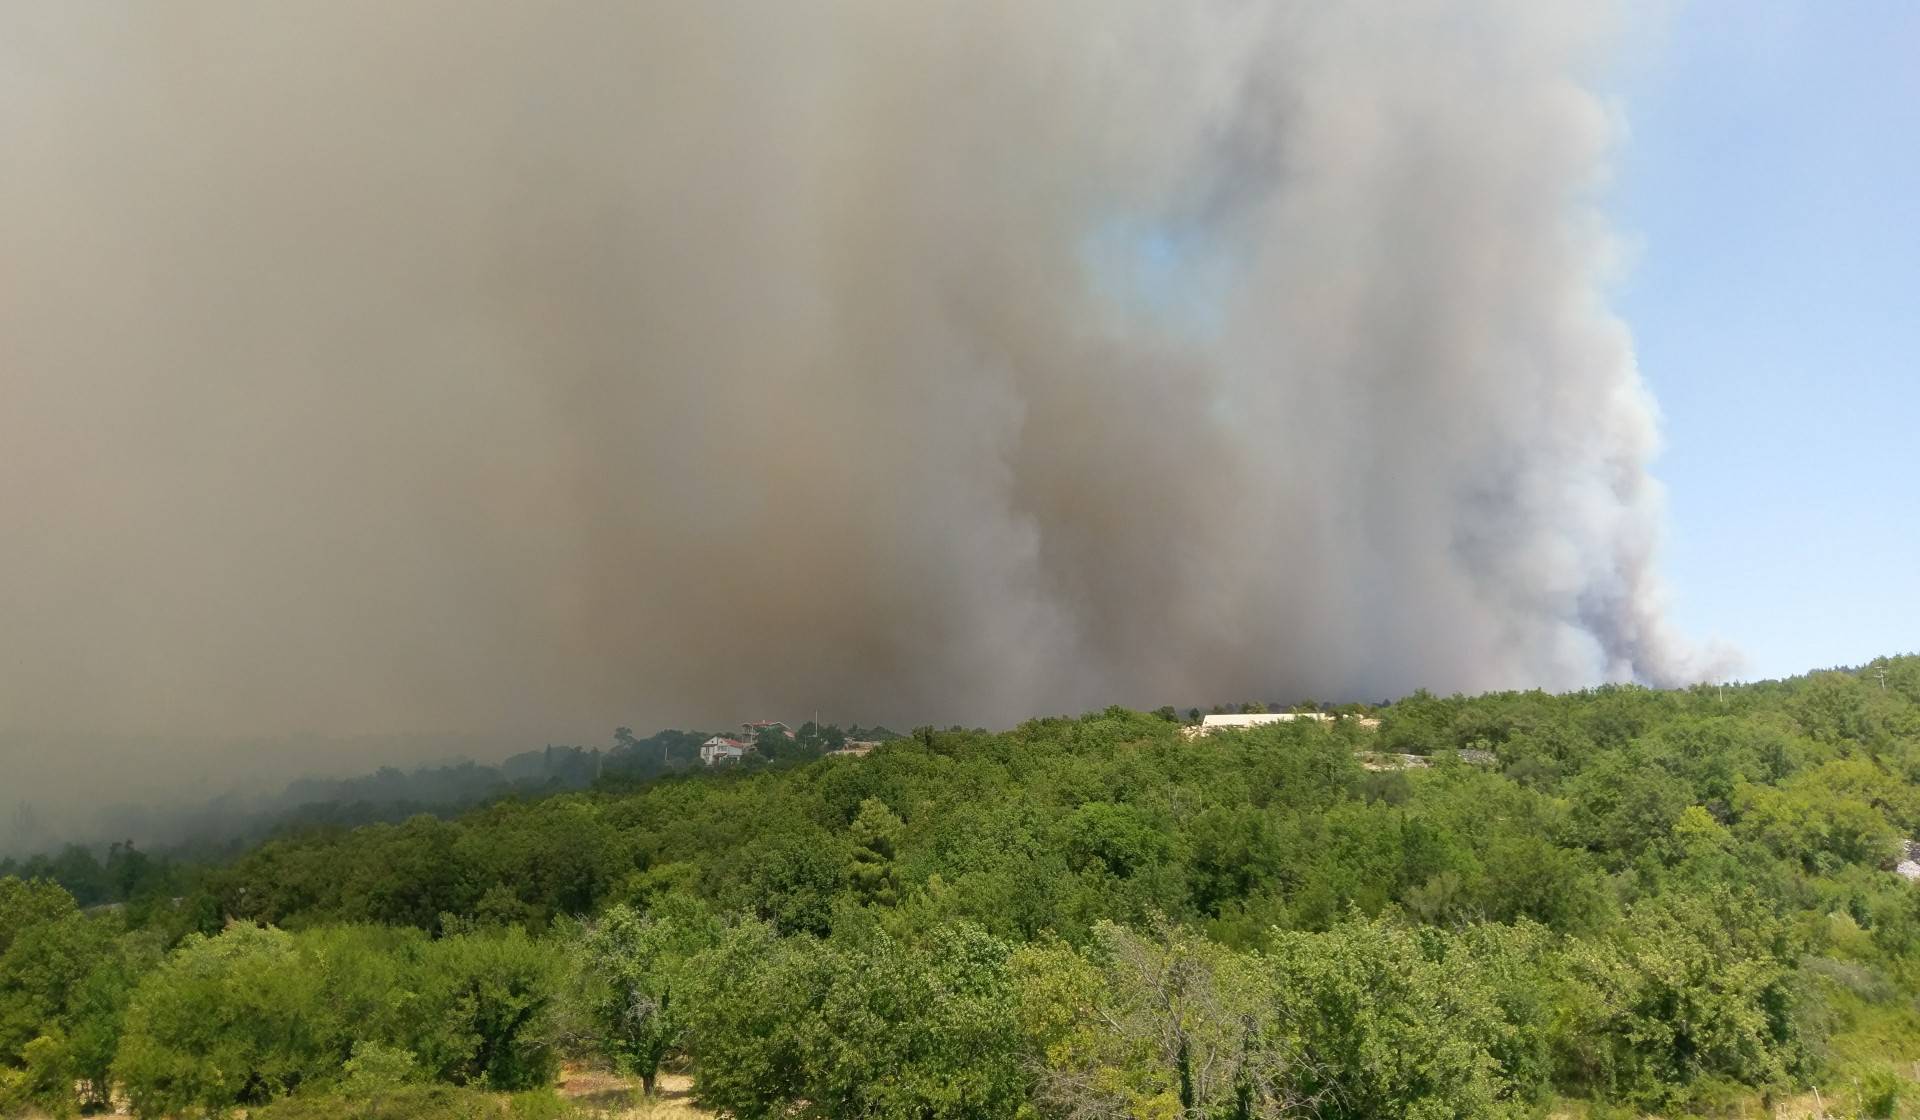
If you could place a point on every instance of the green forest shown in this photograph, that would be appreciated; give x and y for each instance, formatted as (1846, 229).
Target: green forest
(1674, 903)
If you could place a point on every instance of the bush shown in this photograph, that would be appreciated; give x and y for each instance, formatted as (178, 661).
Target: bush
(45, 1081)
(1161, 1024)
(751, 993)
(257, 1014)
(375, 1069)
(1689, 988)
(489, 999)
(1380, 1028)
(630, 988)
(865, 1025)
(1881, 1090)
(225, 1021)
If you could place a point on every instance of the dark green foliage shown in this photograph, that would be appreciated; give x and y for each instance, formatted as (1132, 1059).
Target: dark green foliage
(876, 834)
(1235, 853)
(793, 882)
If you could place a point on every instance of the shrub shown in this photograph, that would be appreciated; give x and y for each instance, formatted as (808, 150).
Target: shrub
(1379, 1028)
(865, 1025)
(224, 1021)
(44, 1082)
(489, 998)
(631, 984)
(1881, 1090)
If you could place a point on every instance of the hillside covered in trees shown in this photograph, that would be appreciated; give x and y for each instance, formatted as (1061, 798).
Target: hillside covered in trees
(1683, 902)
(233, 821)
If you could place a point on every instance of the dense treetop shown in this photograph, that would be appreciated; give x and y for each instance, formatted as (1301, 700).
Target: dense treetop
(1663, 898)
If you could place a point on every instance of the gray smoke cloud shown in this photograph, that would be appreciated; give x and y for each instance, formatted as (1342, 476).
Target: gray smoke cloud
(536, 367)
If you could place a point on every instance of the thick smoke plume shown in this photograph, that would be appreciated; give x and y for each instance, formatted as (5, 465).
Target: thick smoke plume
(536, 367)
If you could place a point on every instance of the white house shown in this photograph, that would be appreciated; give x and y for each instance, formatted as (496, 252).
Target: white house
(1256, 719)
(722, 749)
(1240, 721)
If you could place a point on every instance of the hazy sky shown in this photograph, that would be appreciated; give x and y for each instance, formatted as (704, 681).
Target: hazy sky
(524, 370)
(1771, 177)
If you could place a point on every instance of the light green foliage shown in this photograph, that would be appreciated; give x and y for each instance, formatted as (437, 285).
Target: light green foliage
(1688, 988)
(30, 903)
(1842, 812)
(1669, 898)
(44, 1080)
(224, 1021)
(632, 985)
(860, 1026)
(1380, 1027)
(1058, 991)
(1163, 1025)
(64, 983)
(255, 1014)
(375, 1070)
(379, 1081)
(1881, 1092)
(923, 1029)
(491, 996)
(42, 971)
(1515, 968)
(1368, 1019)
(96, 1011)
(752, 995)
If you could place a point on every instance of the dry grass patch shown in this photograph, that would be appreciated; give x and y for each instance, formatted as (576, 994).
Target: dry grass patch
(619, 1098)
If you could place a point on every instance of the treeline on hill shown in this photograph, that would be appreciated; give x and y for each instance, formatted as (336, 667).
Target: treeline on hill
(229, 825)
(1680, 901)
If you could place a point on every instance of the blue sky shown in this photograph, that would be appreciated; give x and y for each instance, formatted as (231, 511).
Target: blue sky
(1770, 185)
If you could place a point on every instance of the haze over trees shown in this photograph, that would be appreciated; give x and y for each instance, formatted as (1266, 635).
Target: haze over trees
(1657, 900)
(540, 370)
(229, 822)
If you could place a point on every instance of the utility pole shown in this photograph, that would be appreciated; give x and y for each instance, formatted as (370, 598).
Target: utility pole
(1881, 672)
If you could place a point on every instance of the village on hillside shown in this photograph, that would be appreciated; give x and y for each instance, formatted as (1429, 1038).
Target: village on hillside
(731, 748)
(767, 735)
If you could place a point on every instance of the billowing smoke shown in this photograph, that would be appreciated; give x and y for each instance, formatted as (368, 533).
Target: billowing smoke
(372, 367)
